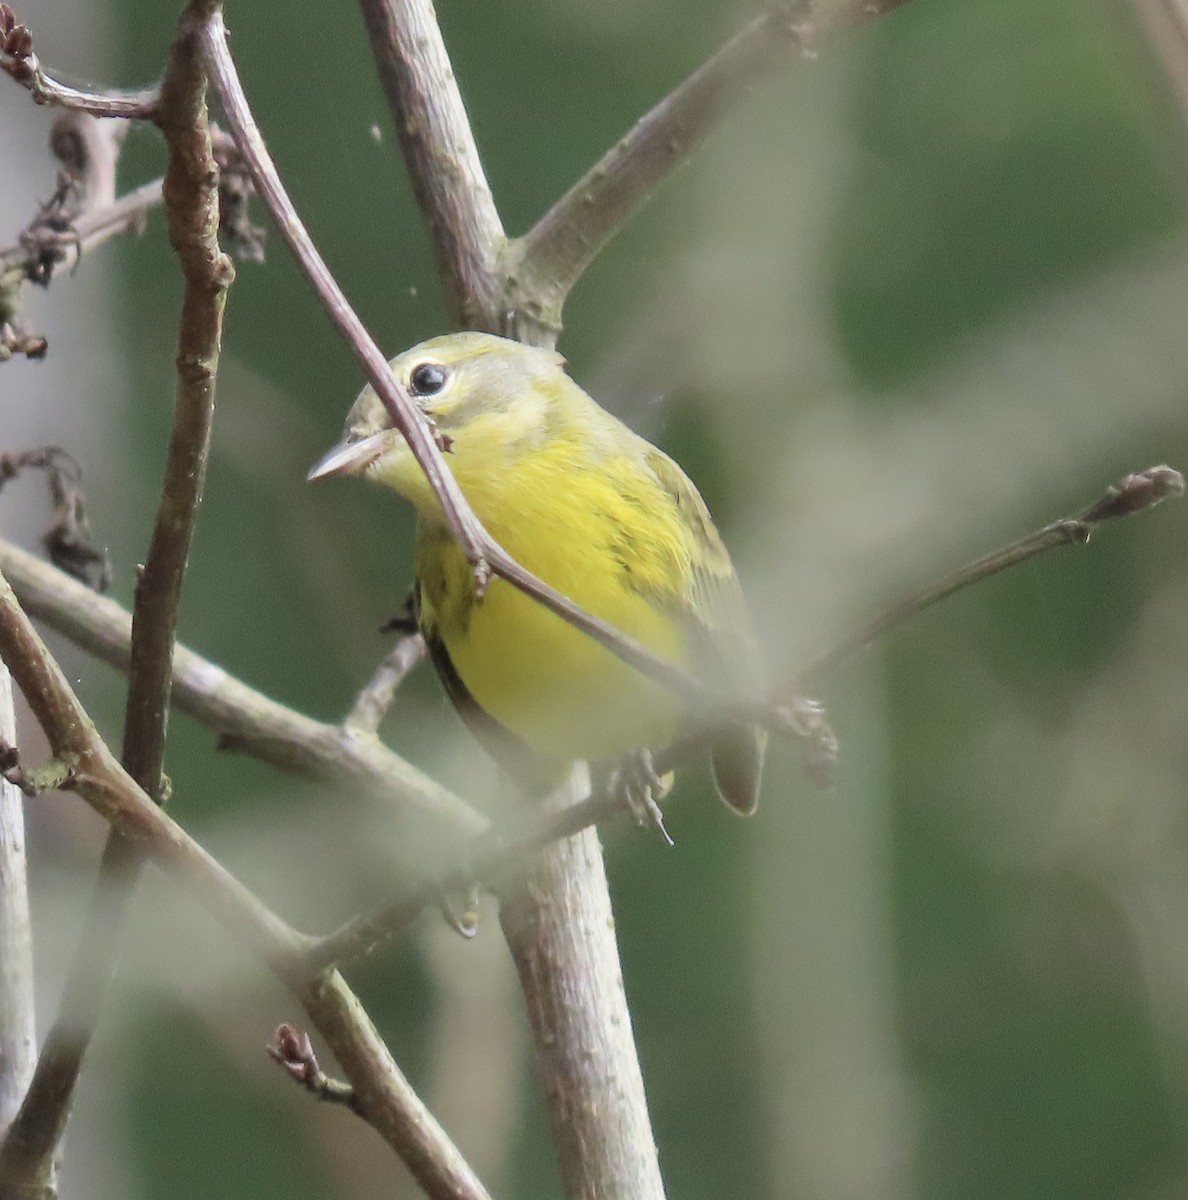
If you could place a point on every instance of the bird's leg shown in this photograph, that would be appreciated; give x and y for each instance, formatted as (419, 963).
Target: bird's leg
(640, 787)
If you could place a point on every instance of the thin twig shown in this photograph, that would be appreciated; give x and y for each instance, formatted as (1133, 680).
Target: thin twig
(18, 60)
(1131, 494)
(384, 1096)
(376, 698)
(405, 416)
(443, 160)
(490, 858)
(546, 263)
(191, 201)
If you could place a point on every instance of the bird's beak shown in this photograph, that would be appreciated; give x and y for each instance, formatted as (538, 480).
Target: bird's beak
(348, 458)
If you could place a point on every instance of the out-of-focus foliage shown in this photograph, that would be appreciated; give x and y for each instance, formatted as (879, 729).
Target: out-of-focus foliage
(921, 294)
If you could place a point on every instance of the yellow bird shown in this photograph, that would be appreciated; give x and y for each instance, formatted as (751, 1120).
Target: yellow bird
(592, 509)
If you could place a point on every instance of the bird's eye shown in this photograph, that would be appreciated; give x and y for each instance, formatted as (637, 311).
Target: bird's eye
(428, 379)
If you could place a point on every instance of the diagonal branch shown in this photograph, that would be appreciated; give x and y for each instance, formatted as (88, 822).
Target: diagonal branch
(385, 1098)
(549, 260)
(1132, 494)
(376, 698)
(95, 774)
(244, 719)
(443, 160)
(224, 79)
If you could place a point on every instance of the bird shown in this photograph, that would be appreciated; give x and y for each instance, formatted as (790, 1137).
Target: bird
(597, 512)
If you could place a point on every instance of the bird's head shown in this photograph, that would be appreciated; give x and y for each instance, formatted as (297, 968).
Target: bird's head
(483, 396)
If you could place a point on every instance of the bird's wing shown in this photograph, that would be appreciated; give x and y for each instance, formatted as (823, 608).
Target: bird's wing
(713, 614)
(707, 599)
(512, 754)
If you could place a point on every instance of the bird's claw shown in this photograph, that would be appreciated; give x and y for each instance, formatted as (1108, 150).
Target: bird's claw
(640, 788)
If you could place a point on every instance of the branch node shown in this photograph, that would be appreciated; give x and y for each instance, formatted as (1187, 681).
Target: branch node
(56, 775)
(294, 1051)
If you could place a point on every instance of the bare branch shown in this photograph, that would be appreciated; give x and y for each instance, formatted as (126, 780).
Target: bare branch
(96, 775)
(225, 81)
(436, 1164)
(491, 858)
(1132, 494)
(18, 60)
(376, 698)
(384, 1096)
(442, 158)
(547, 262)
(294, 1051)
(192, 209)
(245, 720)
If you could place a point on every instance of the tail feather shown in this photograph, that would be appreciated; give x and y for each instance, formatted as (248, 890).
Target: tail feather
(737, 758)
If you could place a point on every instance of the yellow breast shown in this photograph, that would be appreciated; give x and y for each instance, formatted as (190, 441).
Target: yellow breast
(594, 528)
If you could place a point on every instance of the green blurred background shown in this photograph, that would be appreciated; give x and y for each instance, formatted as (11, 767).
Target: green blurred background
(921, 294)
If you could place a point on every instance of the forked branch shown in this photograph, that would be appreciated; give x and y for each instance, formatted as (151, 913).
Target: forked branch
(547, 262)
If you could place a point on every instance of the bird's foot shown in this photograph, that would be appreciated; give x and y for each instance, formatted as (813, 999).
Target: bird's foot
(638, 785)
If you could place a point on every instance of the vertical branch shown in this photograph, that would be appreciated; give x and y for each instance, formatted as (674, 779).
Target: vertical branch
(559, 925)
(192, 209)
(18, 1034)
(191, 199)
(443, 160)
